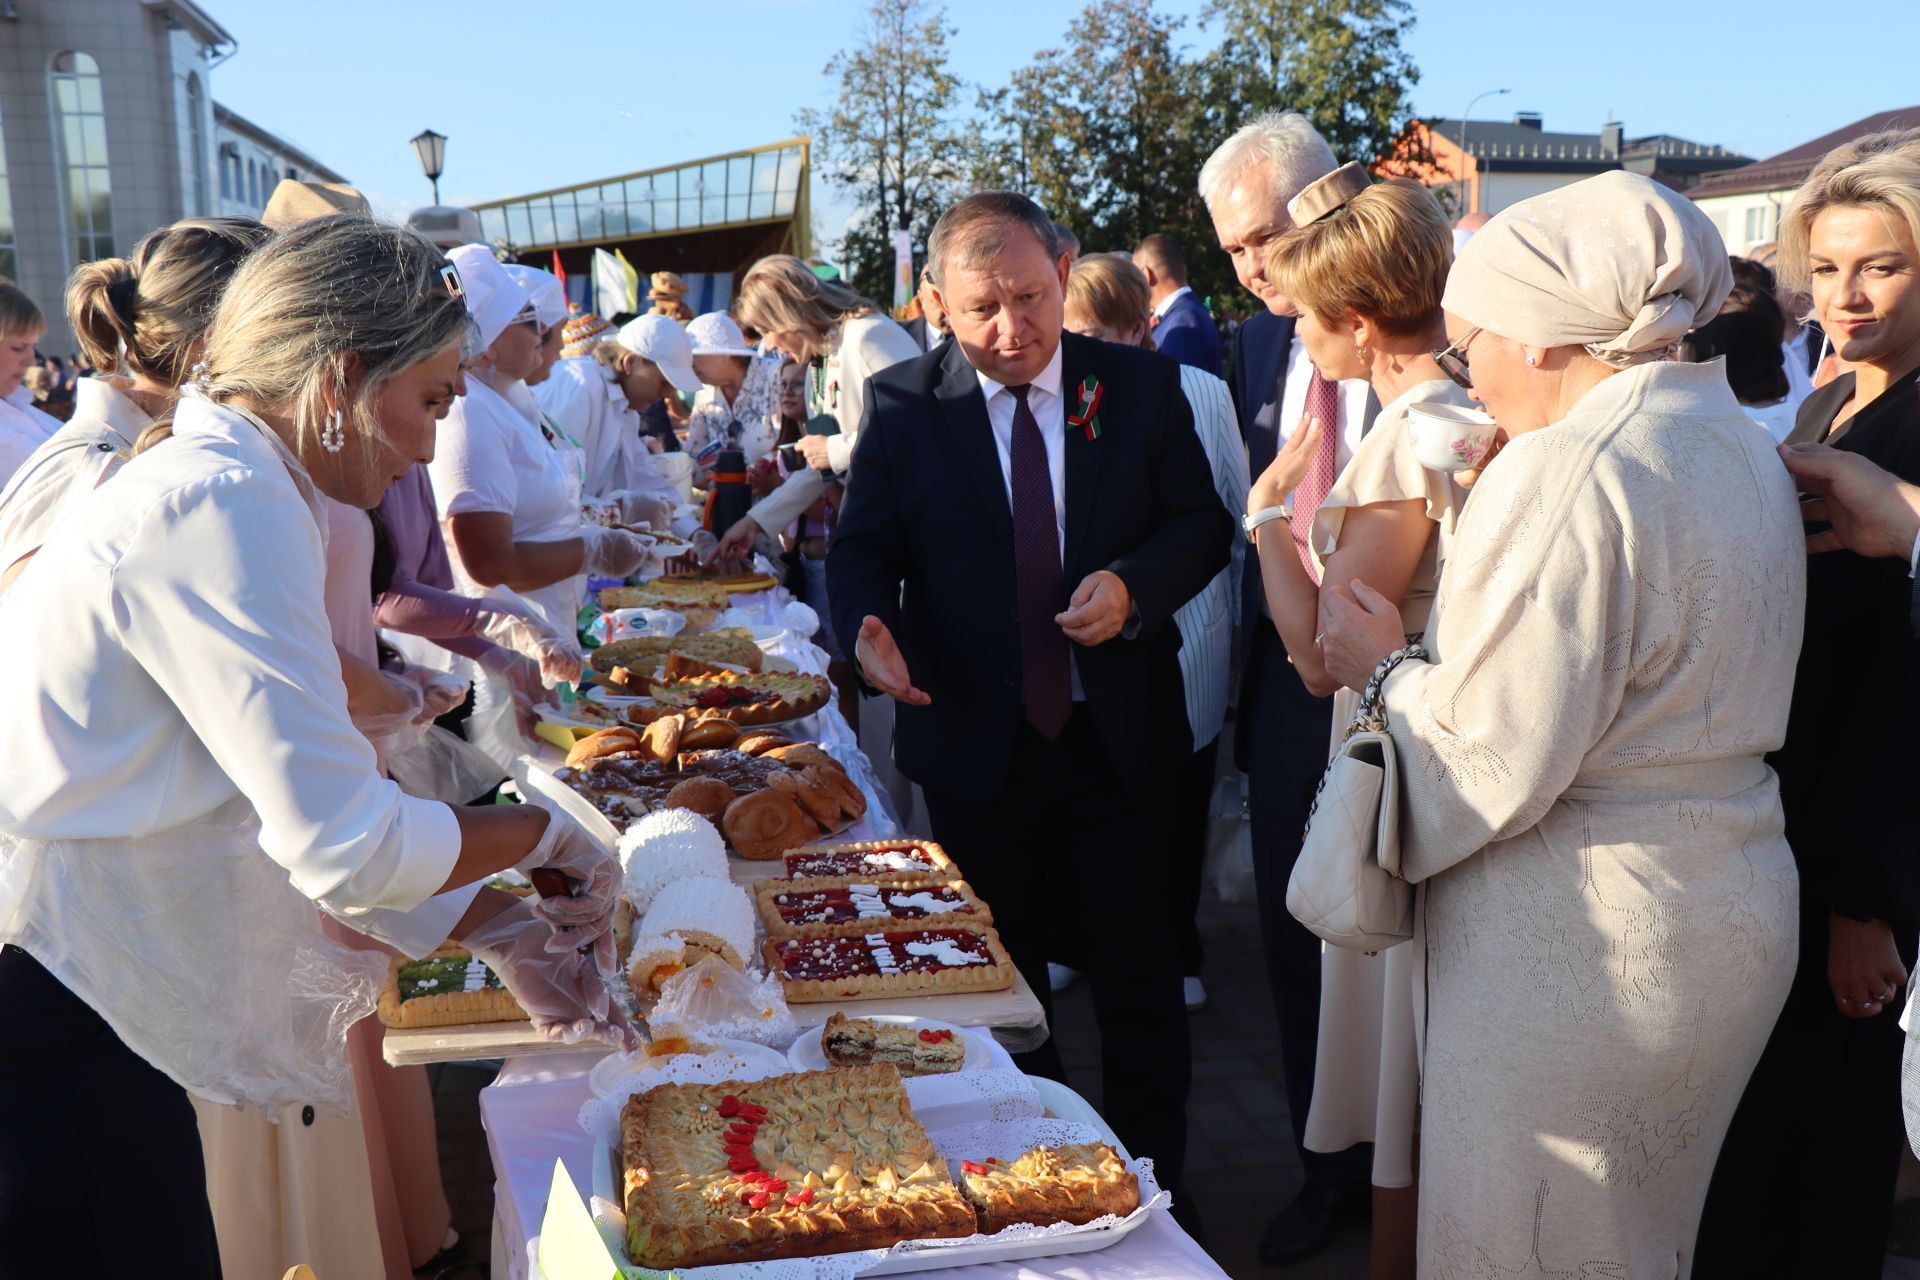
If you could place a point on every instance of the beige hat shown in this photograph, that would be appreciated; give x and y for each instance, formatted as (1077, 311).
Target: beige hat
(295, 202)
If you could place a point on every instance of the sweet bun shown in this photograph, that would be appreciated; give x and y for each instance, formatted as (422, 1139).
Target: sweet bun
(705, 735)
(799, 755)
(603, 742)
(847, 797)
(764, 825)
(708, 797)
(761, 741)
(821, 804)
(663, 739)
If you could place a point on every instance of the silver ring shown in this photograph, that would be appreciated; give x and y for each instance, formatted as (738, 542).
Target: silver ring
(1317, 639)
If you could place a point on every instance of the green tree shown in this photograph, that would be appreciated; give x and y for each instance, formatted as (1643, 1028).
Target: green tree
(890, 138)
(1338, 62)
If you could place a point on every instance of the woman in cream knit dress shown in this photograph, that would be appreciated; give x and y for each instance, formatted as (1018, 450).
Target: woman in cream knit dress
(1607, 896)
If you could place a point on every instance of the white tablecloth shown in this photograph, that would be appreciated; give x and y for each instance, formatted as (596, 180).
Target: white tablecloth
(530, 1110)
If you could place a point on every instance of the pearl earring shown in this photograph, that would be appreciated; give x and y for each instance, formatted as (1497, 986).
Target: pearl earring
(333, 436)
(1532, 360)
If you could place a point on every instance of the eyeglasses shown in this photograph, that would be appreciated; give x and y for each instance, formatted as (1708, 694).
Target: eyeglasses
(1452, 360)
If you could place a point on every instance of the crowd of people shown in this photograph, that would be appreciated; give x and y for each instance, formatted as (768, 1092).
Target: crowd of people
(284, 587)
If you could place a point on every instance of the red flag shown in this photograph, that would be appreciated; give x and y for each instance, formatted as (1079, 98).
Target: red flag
(561, 272)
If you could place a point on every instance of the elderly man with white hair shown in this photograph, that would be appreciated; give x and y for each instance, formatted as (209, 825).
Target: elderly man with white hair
(1282, 733)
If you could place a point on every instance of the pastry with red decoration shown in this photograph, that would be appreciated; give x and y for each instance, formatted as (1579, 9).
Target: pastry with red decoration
(1074, 1184)
(857, 965)
(916, 1051)
(789, 907)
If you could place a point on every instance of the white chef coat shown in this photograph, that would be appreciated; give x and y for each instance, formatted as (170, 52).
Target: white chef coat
(168, 652)
(592, 410)
(23, 429)
(69, 465)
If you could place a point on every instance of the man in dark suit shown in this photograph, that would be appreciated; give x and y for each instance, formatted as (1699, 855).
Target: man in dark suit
(1183, 328)
(929, 328)
(1281, 730)
(1010, 565)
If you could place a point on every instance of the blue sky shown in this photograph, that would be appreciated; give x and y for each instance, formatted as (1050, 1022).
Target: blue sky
(543, 94)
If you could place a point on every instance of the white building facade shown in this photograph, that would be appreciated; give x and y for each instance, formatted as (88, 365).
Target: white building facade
(108, 129)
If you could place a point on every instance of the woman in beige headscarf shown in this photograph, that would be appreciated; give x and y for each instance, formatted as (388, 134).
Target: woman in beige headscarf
(1607, 897)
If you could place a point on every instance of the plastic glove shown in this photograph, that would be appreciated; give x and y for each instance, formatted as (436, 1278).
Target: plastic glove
(561, 991)
(383, 716)
(642, 508)
(440, 692)
(585, 919)
(614, 553)
(523, 678)
(560, 659)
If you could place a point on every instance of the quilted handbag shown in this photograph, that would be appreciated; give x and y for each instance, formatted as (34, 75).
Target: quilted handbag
(1346, 885)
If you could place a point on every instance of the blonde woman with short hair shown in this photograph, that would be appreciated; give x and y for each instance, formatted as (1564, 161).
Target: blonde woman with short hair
(23, 428)
(1108, 298)
(141, 321)
(1807, 1181)
(844, 339)
(184, 781)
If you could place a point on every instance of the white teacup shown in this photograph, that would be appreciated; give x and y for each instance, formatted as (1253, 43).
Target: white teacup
(1450, 437)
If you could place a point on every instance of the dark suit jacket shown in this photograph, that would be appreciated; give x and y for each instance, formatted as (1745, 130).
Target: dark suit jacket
(1187, 333)
(925, 544)
(1259, 359)
(918, 328)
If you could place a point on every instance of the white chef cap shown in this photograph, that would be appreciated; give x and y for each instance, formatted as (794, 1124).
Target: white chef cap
(543, 290)
(493, 297)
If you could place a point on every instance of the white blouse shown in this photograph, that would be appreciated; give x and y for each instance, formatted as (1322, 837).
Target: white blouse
(23, 429)
(592, 409)
(168, 651)
(69, 465)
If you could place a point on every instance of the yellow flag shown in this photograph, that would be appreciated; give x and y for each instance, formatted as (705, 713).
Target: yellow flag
(633, 281)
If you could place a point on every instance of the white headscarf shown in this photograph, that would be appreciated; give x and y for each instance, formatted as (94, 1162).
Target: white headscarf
(1617, 264)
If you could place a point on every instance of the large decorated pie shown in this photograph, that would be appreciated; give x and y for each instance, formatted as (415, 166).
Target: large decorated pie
(871, 860)
(788, 907)
(789, 1167)
(763, 697)
(867, 964)
(645, 654)
(1077, 1183)
(445, 989)
(670, 591)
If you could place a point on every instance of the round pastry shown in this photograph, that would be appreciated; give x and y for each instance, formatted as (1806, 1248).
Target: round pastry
(761, 741)
(666, 846)
(712, 732)
(764, 825)
(663, 739)
(820, 802)
(798, 755)
(603, 742)
(708, 797)
(848, 797)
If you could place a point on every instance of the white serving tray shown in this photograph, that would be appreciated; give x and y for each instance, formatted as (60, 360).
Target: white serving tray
(1062, 1103)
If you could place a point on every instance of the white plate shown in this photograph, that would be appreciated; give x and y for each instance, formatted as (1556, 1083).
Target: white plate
(611, 1072)
(767, 637)
(807, 1055)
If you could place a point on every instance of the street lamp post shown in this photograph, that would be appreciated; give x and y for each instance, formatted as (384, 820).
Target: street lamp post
(1464, 124)
(431, 147)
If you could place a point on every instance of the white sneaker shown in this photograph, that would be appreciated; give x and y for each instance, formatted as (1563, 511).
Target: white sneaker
(1060, 976)
(1196, 994)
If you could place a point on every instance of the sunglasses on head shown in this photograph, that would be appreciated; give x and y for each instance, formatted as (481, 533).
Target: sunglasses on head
(1452, 360)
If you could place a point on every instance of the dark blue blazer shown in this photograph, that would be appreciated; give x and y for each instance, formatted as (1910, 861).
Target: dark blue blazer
(1187, 334)
(925, 544)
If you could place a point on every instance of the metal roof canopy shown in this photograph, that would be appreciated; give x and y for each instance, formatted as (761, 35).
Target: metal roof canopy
(762, 187)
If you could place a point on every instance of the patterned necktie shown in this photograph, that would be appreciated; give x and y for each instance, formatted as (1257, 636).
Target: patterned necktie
(1045, 672)
(1323, 406)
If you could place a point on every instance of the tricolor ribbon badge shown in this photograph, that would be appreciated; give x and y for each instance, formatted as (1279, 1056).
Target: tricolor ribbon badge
(1088, 419)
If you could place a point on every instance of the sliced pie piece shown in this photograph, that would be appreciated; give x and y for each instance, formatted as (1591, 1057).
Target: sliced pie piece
(1050, 1184)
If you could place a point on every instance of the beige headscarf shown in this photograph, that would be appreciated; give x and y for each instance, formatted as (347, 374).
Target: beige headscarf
(1617, 264)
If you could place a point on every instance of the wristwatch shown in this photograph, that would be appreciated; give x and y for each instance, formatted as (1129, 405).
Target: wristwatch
(1252, 521)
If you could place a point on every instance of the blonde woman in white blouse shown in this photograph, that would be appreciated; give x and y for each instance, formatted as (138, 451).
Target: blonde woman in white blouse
(182, 780)
(1366, 265)
(811, 319)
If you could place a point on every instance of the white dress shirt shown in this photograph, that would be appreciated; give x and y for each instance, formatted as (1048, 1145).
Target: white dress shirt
(23, 428)
(72, 463)
(1050, 413)
(168, 652)
(1166, 303)
(589, 406)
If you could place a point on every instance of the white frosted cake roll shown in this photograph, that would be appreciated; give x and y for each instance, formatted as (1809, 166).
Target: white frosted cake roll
(669, 845)
(689, 918)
